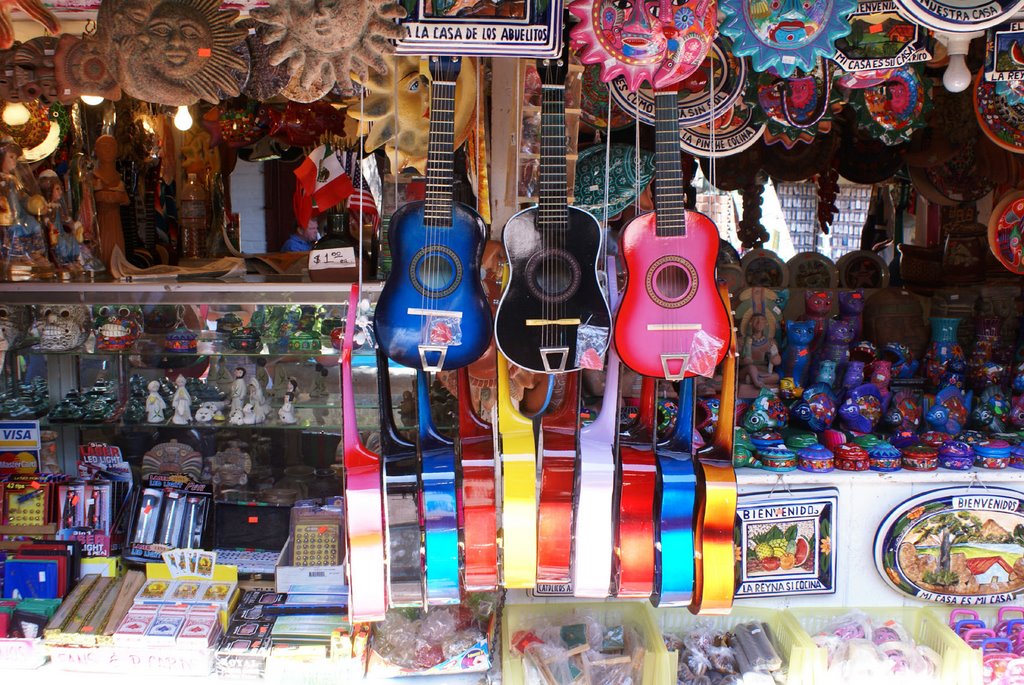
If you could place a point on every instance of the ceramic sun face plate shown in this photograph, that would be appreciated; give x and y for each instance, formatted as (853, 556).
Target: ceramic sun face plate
(657, 41)
(954, 546)
(786, 35)
(806, 112)
(1006, 231)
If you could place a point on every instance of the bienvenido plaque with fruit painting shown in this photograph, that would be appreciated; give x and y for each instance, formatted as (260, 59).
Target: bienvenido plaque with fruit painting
(784, 543)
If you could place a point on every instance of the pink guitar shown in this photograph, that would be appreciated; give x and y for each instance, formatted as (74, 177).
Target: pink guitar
(671, 301)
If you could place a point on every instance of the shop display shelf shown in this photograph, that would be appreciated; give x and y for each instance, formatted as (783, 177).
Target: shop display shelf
(959, 664)
(657, 668)
(792, 642)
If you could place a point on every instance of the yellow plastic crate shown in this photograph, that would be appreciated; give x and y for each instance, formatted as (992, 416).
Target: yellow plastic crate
(796, 648)
(924, 626)
(637, 614)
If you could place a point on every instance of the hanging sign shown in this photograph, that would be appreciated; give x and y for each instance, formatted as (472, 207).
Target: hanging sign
(881, 38)
(959, 16)
(19, 447)
(529, 28)
(786, 543)
(955, 546)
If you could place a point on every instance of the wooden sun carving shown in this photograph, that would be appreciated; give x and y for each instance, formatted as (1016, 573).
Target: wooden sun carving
(172, 52)
(399, 100)
(325, 41)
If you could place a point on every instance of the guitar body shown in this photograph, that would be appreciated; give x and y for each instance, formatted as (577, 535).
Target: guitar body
(670, 295)
(479, 515)
(676, 498)
(714, 581)
(637, 485)
(440, 505)
(401, 498)
(558, 473)
(433, 277)
(553, 278)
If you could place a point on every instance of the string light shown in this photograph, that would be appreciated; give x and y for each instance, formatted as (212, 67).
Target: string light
(16, 114)
(182, 119)
(92, 100)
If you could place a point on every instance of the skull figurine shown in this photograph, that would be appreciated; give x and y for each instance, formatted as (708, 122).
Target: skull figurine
(117, 327)
(14, 319)
(62, 328)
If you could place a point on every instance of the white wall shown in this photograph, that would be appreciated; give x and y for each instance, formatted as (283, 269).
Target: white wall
(248, 201)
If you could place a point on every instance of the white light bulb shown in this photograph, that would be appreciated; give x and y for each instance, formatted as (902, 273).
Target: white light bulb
(182, 119)
(16, 114)
(92, 100)
(957, 76)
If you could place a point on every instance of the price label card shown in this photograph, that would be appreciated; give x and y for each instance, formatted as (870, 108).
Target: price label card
(332, 258)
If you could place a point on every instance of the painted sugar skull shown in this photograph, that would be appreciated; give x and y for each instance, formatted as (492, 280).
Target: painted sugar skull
(62, 328)
(660, 41)
(14, 320)
(117, 326)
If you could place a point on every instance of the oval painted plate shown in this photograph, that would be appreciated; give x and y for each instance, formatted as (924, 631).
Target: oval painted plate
(862, 269)
(1005, 228)
(742, 128)
(695, 102)
(786, 34)
(764, 268)
(954, 546)
(958, 16)
(628, 38)
(1001, 121)
(812, 270)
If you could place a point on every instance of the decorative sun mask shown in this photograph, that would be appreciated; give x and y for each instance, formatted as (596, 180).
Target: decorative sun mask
(408, 148)
(325, 41)
(81, 68)
(172, 52)
(659, 41)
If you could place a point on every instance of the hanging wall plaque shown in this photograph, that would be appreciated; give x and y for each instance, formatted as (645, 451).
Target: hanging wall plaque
(657, 41)
(500, 28)
(959, 16)
(1006, 231)
(1001, 121)
(881, 38)
(786, 35)
(740, 128)
(955, 546)
(797, 108)
(695, 98)
(891, 111)
(786, 543)
(1004, 60)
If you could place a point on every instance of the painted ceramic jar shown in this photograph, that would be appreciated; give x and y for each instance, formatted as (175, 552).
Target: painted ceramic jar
(815, 459)
(799, 440)
(885, 458)
(850, 457)
(180, 340)
(920, 458)
(778, 459)
(944, 362)
(1017, 457)
(992, 454)
(956, 455)
(934, 438)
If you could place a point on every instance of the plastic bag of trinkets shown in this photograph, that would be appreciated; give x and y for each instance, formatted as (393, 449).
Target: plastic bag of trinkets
(583, 650)
(741, 655)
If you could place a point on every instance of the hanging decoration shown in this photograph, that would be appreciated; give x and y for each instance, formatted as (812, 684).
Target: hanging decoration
(891, 111)
(738, 128)
(959, 16)
(81, 69)
(412, 102)
(797, 108)
(622, 172)
(324, 46)
(880, 39)
(786, 35)
(1001, 121)
(658, 41)
(172, 52)
(484, 29)
(41, 134)
(1004, 61)
(35, 9)
(594, 103)
(1006, 231)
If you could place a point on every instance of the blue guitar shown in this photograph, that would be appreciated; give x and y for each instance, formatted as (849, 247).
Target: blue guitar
(433, 313)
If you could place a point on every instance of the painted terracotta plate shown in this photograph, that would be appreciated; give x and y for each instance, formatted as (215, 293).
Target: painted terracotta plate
(739, 129)
(880, 38)
(812, 270)
(1005, 229)
(862, 269)
(786, 543)
(893, 110)
(955, 546)
(764, 268)
(1000, 120)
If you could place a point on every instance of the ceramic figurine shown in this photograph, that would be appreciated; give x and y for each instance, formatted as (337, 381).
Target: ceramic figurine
(862, 408)
(1016, 416)
(260, 405)
(280, 379)
(109, 193)
(238, 390)
(1017, 382)
(851, 310)
(944, 362)
(206, 412)
(182, 403)
(155, 404)
(881, 376)
(815, 410)
(836, 348)
(759, 355)
(117, 327)
(287, 411)
(904, 414)
(903, 363)
(765, 412)
(796, 360)
(760, 300)
(236, 417)
(14, 324)
(24, 241)
(949, 411)
(825, 378)
(864, 351)
(249, 414)
(263, 378)
(853, 376)
(65, 247)
(991, 410)
(817, 307)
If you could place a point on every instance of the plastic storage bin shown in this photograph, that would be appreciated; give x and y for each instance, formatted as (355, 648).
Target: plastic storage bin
(796, 648)
(924, 626)
(637, 614)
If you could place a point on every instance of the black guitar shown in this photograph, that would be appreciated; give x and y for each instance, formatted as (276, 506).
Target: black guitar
(401, 500)
(553, 251)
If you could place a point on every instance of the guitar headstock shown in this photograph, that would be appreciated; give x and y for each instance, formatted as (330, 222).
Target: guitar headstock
(445, 68)
(554, 70)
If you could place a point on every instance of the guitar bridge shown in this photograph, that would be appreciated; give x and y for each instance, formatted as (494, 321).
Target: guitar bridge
(678, 361)
(440, 350)
(554, 359)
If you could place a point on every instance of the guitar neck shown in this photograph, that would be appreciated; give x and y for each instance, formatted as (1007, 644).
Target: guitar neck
(552, 213)
(441, 153)
(668, 180)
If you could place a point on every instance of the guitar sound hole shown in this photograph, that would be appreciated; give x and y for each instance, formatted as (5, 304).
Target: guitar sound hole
(672, 282)
(436, 271)
(553, 275)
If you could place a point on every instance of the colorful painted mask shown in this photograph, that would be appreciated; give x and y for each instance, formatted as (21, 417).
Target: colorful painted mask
(117, 327)
(659, 41)
(893, 110)
(805, 111)
(62, 328)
